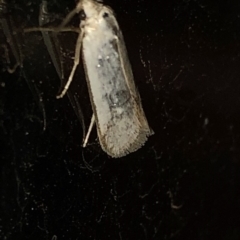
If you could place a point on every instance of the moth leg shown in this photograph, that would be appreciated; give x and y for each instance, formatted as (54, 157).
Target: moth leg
(89, 131)
(6, 56)
(68, 18)
(13, 69)
(50, 39)
(52, 29)
(76, 62)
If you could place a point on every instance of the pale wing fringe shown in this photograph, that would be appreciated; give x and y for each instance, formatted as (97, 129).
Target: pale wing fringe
(139, 138)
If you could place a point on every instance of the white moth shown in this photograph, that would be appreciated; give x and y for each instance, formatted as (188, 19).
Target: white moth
(117, 110)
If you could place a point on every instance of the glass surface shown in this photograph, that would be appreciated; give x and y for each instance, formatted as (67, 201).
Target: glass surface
(184, 183)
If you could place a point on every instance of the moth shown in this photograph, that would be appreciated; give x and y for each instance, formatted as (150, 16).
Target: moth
(121, 123)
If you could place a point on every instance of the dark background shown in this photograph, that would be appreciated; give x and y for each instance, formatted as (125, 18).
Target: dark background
(183, 184)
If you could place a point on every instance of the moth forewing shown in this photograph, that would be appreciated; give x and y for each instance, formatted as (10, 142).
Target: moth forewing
(121, 123)
(131, 129)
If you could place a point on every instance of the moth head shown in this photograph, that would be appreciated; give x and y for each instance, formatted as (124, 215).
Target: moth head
(92, 9)
(89, 8)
